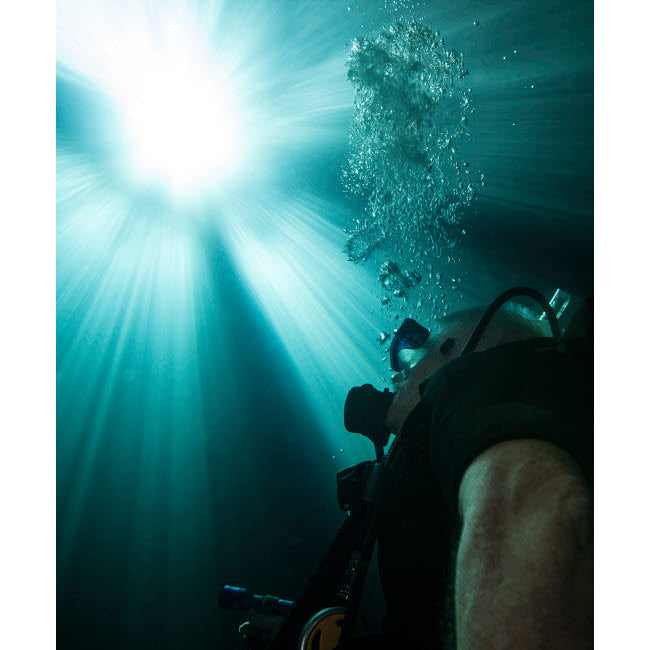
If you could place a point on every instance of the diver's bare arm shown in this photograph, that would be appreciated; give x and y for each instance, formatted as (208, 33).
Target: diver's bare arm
(524, 569)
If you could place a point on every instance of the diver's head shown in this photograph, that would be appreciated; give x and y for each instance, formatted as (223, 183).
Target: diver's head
(416, 347)
(417, 352)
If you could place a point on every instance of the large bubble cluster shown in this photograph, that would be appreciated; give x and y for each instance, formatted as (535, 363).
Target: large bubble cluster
(411, 115)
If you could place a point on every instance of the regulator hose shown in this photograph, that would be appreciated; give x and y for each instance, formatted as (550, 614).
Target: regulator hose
(500, 300)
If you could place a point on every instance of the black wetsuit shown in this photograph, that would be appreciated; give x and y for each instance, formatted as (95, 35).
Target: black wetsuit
(540, 389)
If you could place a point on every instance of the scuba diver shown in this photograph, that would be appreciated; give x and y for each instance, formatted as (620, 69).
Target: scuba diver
(485, 532)
(498, 478)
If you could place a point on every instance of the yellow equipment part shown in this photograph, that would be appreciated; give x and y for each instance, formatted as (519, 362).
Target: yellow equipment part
(323, 630)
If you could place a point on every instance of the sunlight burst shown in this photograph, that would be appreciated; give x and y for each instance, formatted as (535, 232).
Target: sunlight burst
(179, 112)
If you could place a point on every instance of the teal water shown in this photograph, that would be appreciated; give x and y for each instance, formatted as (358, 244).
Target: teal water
(209, 319)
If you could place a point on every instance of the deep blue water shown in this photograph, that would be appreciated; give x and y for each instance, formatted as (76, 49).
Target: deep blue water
(205, 344)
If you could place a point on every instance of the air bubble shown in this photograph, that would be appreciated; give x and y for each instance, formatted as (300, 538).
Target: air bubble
(409, 113)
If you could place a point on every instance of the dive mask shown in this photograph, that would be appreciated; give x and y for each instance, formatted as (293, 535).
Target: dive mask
(410, 336)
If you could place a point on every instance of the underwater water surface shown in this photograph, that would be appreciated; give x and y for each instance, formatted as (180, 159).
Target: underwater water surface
(251, 196)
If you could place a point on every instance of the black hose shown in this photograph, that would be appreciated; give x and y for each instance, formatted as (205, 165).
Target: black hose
(498, 302)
